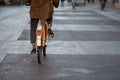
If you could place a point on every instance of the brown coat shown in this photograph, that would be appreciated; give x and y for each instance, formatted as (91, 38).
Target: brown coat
(42, 9)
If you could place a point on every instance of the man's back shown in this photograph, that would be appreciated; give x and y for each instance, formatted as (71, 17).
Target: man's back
(42, 8)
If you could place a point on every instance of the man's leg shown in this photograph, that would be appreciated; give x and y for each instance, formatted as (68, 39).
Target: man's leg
(34, 23)
(49, 22)
(50, 32)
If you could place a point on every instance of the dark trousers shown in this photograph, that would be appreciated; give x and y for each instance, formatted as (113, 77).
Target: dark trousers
(33, 28)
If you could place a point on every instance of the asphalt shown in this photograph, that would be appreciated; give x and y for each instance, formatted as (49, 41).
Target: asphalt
(86, 45)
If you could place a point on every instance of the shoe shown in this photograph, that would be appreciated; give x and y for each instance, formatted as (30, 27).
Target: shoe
(33, 51)
(50, 33)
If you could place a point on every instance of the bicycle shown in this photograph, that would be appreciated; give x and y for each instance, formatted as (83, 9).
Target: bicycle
(42, 37)
(41, 40)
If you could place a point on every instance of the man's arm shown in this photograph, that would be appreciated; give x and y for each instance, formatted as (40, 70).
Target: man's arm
(55, 3)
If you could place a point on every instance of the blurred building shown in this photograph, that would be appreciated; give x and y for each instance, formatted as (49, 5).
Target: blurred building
(14, 2)
(2, 2)
(11, 2)
(117, 3)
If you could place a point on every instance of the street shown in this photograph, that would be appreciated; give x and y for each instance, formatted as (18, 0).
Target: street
(86, 45)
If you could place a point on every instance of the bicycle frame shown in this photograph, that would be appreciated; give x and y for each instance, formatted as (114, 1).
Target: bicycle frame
(41, 40)
(42, 35)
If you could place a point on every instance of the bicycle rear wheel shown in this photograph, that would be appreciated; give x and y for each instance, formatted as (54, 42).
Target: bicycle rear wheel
(39, 50)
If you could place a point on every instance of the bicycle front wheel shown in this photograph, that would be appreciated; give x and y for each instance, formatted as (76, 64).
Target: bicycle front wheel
(39, 52)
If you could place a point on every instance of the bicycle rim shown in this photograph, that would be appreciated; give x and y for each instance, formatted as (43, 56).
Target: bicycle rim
(39, 49)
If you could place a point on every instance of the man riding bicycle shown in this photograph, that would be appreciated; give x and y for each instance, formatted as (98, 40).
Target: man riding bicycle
(41, 9)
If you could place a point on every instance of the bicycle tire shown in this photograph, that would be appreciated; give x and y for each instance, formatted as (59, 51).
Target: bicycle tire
(44, 51)
(39, 50)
